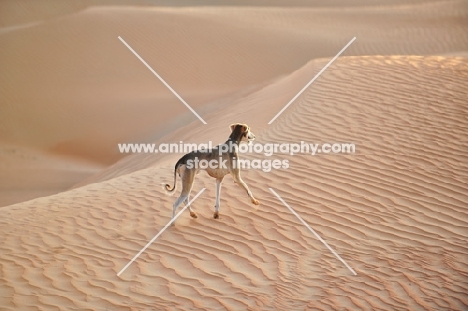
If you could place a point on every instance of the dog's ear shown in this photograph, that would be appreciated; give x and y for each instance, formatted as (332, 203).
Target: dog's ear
(233, 126)
(244, 128)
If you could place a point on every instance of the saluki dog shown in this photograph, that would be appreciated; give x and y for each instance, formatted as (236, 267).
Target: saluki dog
(227, 159)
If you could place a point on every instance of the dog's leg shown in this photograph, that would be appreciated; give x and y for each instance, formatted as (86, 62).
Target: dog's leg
(192, 213)
(218, 197)
(187, 177)
(240, 182)
(177, 203)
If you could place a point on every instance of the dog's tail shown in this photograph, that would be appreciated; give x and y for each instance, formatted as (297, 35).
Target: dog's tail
(168, 187)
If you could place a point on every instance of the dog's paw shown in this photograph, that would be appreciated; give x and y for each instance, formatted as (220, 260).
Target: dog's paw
(193, 215)
(255, 201)
(216, 215)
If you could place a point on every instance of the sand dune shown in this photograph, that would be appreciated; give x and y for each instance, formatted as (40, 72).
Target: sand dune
(395, 210)
(85, 92)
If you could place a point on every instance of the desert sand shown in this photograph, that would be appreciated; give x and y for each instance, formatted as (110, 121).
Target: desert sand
(75, 211)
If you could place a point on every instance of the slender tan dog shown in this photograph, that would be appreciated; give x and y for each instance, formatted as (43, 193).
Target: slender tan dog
(225, 155)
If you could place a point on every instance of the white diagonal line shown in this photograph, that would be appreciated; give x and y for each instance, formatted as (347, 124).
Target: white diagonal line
(310, 82)
(313, 231)
(159, 233)
(162, 80)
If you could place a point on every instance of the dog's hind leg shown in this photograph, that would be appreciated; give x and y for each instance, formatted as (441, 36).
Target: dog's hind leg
(192, 213)
(177, 203)
(187, 177)
(218, 197)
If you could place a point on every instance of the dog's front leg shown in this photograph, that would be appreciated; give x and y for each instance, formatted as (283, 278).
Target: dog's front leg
(241, 183)
(218, 197)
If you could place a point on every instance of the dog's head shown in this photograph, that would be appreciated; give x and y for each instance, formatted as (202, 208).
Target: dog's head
(242, 132)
